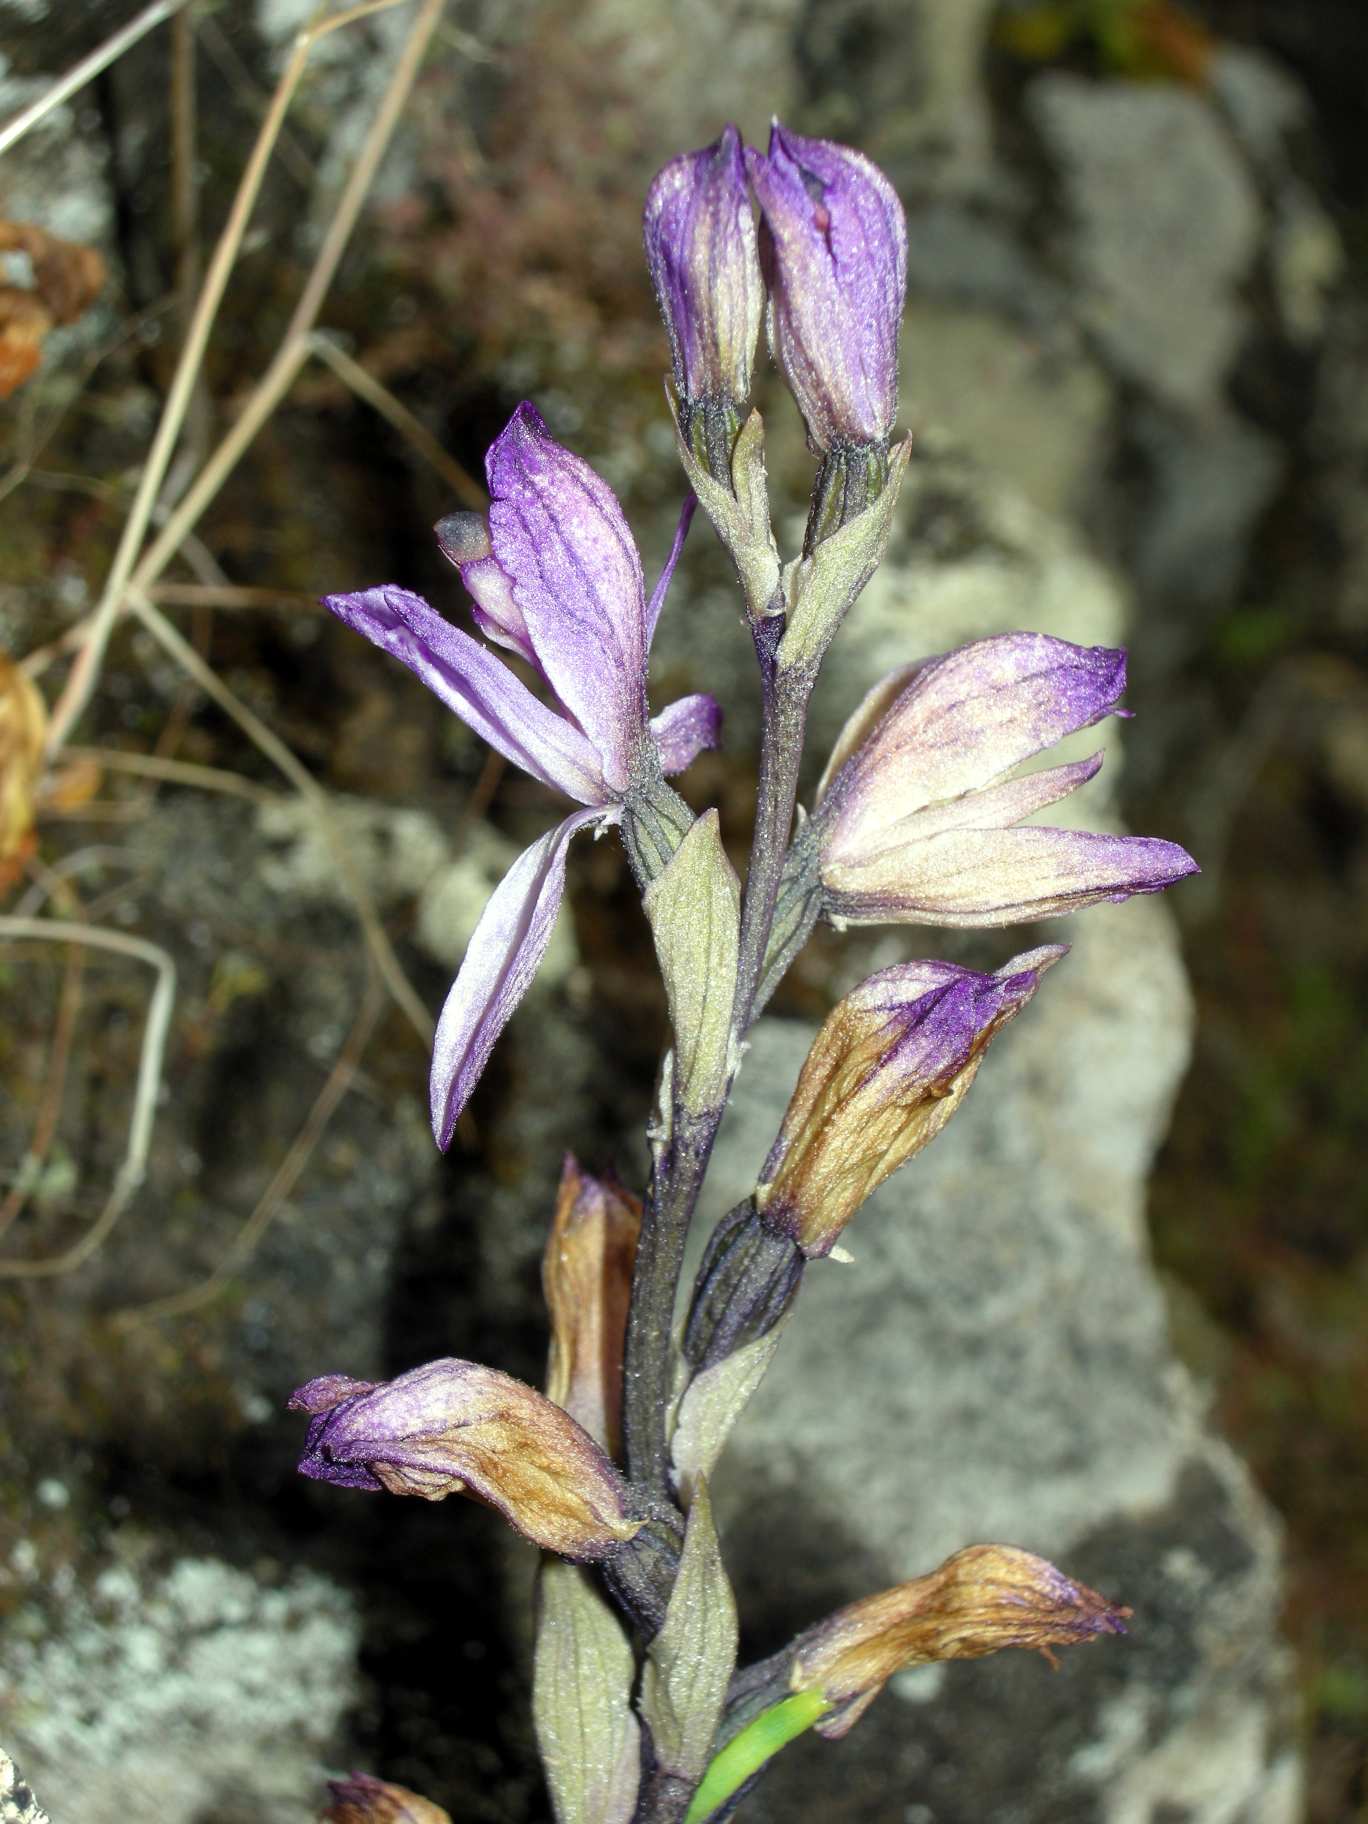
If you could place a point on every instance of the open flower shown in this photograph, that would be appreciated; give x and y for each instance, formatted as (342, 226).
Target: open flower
(454, 1427)
(916, 811)
(835, 246)
(556, 579)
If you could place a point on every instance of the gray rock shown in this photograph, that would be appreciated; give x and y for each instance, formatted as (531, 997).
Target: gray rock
(1167, 223)
(1038, 416)
(907, 81)
(208, 1691)
(1212, 479)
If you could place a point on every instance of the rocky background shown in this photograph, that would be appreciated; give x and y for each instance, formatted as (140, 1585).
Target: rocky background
(1115, 1314)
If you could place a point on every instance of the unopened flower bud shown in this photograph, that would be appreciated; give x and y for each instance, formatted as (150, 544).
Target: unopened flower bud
(455, 1427)
(587, 1279)
(362, 1799)
(835, 245)
(981, 1600)
(892, 1063)
(701, 248)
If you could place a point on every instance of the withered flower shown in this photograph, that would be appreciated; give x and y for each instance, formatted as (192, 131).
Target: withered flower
(892, 1063)
(979, 1601)
(455, 1427)
(587, 1279)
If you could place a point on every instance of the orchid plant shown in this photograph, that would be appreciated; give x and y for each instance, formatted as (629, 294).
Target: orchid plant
(642, 1714)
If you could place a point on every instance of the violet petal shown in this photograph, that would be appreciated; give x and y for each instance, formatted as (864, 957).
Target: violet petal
(838, 278)
(499, 963)
(560, 536)
(966, 719)
(705, 266)
(658, 594)
(481, 690)
(684, 730)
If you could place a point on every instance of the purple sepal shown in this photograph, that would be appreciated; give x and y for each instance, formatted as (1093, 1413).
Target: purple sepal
(836, 250)
(477, 686)
(661, 590)
(702, 252)
(496, 972)
(684, 730)
(560, 537)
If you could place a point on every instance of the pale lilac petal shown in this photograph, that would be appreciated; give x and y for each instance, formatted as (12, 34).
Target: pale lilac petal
(684, 730)
(965, 720)
(560, 536)
(838, 276)
(483, 692)
(871, 710)
(658, 594)
(497, 969)
(993, 809)
(998, 877)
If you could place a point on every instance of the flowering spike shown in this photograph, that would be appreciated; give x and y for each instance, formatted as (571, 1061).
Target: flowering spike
(890, 1066)
(835, 241)
(455, 1427)
(981, 1600)
(914, 811)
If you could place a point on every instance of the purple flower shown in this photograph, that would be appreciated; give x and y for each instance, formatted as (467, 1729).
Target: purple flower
(835, 247)
(701, 250)
(891, 1064)
(556, 579)
(454, 1427)
(916, 812)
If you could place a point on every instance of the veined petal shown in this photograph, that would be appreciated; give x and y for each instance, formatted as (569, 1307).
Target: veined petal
(481, 690)
(560, 536)
(661, 590)
(995, 808)
(998, 877)
(497, 969)
(684, 730)
(968, 718)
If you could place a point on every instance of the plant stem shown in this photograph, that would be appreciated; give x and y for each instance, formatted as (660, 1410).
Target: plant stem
(647, 1377)
(785, 699)
(682, 1161)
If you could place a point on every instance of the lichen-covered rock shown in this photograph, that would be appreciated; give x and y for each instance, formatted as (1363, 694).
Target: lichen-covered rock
(207, 1691)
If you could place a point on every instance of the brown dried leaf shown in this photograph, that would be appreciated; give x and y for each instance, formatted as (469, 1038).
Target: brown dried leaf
(23, 727)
